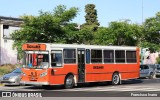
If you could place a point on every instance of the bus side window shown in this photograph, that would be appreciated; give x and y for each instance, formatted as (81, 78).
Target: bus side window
(56, 58)
(87, 56)
(120, 56)
(108, 56)
(131, 56)
(96, 56)
(69, 56)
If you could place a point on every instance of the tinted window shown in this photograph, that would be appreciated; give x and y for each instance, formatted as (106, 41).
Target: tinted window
(96, 56)
(158, 68)
(131, 56)
(146, 67)
(120, 56)
(69, 56)
(142, 67)
(108, 56)
(87, 56)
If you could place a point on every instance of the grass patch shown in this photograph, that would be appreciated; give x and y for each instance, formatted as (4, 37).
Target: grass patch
(1, 84)
(6, 68)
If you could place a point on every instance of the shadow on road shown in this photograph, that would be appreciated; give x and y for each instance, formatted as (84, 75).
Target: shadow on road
(37, 87)
(85, 85)
(11, 85)
(132, 81)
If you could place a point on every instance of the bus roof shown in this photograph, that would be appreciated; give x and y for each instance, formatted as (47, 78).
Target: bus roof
(52, 46)
(91, 46)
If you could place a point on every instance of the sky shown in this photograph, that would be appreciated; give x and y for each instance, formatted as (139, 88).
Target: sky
(108, 10)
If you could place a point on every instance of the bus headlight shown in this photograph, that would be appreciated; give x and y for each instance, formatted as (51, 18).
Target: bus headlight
(23, 74)
(43, 74)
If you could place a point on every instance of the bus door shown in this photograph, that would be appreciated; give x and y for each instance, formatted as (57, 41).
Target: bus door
(81, 65)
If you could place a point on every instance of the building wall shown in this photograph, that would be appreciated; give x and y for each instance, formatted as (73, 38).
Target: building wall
(147, 57)
(8, 54)
(0, 43)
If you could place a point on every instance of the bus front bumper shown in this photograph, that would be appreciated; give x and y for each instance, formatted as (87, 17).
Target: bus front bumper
(33, 83)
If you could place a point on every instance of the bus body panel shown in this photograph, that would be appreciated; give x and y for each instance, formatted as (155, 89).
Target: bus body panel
(34, 75)
(102, 72)
(61, 72)
(58, 76)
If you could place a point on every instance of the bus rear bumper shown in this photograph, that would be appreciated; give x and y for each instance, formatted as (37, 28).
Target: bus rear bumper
(33, 83)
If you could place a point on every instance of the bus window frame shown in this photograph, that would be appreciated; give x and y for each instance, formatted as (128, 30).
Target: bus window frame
(71, 58)
(113, 56)
(62, 63)
(132, 58)
(91, 56)
(120, 58)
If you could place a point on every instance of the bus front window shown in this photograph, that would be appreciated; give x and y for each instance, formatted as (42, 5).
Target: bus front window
(37, 60)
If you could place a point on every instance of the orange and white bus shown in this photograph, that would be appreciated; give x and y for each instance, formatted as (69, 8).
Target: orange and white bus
(68, 64)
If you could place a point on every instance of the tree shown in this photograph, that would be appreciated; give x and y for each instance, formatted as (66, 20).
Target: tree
(91, 17)
(71, 33)
(102, 36)
(151, 36)
(85, 36)
(46, 27)
(124, 33)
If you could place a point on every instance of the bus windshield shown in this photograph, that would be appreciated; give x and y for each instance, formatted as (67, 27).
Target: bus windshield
(37, 59)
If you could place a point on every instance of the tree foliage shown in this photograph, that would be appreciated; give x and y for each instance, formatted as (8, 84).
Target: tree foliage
(119, 33)
(102, 36)
(91, 17)
(55, 27)
(46, 27)
(151, 34)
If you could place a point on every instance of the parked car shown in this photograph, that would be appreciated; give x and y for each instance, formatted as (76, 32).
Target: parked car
(12, 78)
(147, 71)
(158, 70)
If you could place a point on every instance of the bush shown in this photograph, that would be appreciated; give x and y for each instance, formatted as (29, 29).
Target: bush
(6, 68)
(158, 60)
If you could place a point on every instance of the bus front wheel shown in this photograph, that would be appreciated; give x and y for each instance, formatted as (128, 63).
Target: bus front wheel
(69, 82)
(115, 79)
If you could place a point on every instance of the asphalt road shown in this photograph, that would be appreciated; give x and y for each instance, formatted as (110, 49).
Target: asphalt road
(100, 91)
(128, 85)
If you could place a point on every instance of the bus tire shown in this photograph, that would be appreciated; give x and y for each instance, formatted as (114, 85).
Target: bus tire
(115, 79)
(69, 82)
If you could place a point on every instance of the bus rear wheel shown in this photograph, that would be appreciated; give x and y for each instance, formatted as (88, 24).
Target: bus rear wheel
(69, 82)
(115, 79)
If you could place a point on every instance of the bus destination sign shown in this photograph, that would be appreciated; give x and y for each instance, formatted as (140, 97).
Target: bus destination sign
(40, 47)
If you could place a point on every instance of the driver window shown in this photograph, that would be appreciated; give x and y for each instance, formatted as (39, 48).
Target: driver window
(56, 58)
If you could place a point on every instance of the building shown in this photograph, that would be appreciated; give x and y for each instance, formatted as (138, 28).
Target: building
(147, 57)
(7, 26)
